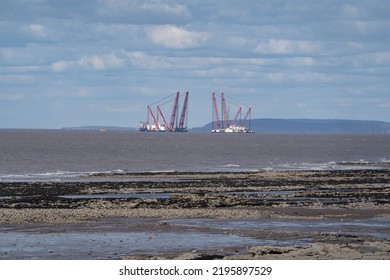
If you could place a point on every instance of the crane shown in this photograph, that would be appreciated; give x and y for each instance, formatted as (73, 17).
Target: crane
(153, 117)
(163, 118)
(225, 125)
(236, 116)
(225, 116)
(183, 111)
(174, 111)
(246, 116)
(162, 125)
(216, 123)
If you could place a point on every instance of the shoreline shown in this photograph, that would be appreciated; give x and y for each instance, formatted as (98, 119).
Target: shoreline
(303, 196)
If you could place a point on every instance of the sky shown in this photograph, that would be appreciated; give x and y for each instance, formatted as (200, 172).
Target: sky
(101, 62)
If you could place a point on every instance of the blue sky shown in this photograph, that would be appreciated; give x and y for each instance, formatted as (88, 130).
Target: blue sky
(73, 63)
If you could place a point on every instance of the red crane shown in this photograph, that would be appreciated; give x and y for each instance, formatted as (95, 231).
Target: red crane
(225, 116)
(246, 116)
(215, 111)
(174, 125)
(174, 110)
(154, 119)
(183, 111)
(163, 118)
(236, 116)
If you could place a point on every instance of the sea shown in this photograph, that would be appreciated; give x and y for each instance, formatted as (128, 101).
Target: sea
(75, 155)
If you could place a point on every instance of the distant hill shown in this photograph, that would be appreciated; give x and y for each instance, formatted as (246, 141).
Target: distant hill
(313, 126)
(95, 127)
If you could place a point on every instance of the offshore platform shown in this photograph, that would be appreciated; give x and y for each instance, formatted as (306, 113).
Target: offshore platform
(224, 124)
(158, 122)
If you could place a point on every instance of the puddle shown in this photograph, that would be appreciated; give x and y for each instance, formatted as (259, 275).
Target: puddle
(377, 227)
(113, 245)
(114, 238)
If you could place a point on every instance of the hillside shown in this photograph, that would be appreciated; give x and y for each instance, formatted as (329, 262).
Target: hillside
(313, 126)
(102, 127)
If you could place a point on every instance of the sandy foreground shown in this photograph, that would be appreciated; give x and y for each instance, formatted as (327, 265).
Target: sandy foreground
(339, 214)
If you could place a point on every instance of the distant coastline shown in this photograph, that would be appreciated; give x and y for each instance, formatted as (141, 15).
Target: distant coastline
(100, 128)
(319, 126)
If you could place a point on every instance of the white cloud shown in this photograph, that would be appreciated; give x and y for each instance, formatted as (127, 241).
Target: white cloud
(94, 62)
(22, 69)
(351, 11)
(142, 60)
(38, 29)
(11, 96)
(302, 77)
(365, 60)
(101, 62)
(118, 109)
(382, 58)
(16, 79)
(165, 8)
(274, 46)
(275, 77)
(173, 37)
(141, 11)
(60, 66)
(300, 61)
(82, 93)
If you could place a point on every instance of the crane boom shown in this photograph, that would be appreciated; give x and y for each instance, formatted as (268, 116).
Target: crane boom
(174, 110)
(246, 116)
(224, 111)
(236, 116)
(163, 118)
(215, 111)
(183, 111)
(154, 119)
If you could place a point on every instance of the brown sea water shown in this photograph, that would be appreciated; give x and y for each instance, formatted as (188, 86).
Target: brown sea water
(62, 154)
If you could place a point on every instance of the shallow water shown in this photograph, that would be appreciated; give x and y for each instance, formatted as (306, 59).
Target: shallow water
(113, 245)
(96, 245)
(377, 227)
(115, 238)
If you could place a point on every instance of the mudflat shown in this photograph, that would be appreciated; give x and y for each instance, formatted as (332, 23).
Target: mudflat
(332, 214)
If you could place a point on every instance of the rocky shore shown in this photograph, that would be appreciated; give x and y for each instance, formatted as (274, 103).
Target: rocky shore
(336, 195)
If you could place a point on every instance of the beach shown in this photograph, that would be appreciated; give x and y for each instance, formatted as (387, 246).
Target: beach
(295, 214)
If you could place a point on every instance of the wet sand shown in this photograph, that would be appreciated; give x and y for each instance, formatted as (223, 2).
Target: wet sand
(339, 214)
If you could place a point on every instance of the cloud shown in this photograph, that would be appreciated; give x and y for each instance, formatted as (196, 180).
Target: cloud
(82, 93)
(92, 62)
(60, 66)
(38, 30)
(119, 108)
(352, 11)
(11, 96)
(139, 12)
(142, 60)
(118, 52)
(95, 62)
(174, 37)
(16, 79)
(274, 46)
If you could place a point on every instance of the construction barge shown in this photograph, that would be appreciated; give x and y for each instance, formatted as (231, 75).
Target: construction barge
(159, 123)
(224, 124)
